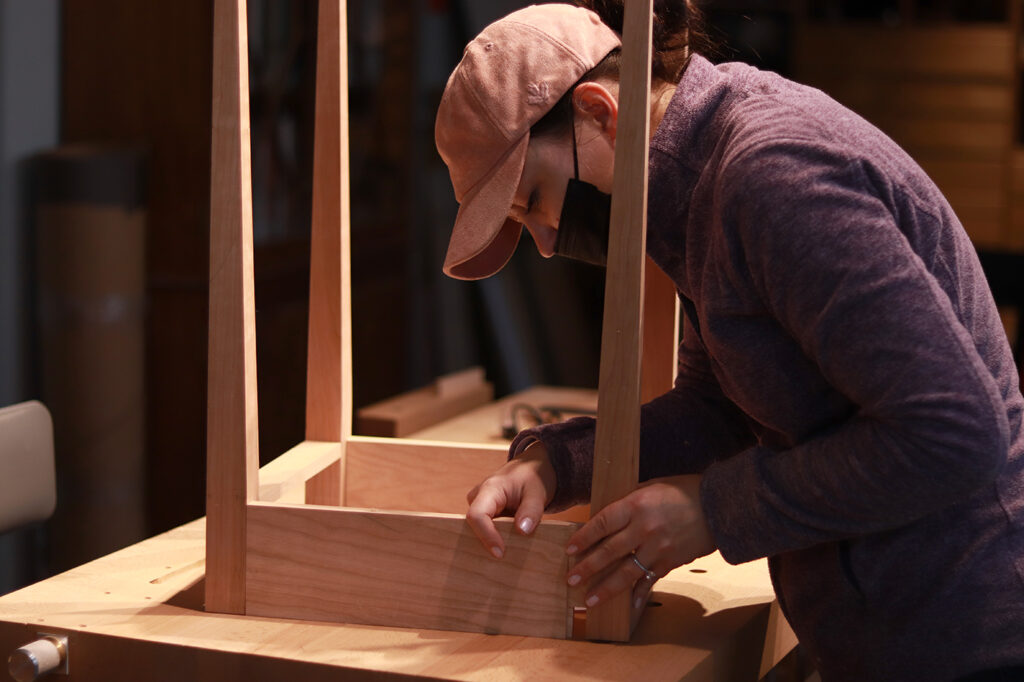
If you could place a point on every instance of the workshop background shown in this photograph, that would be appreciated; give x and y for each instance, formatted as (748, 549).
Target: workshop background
(104, 216)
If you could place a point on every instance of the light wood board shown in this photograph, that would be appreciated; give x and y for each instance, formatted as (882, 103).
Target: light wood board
(404, 414)
(483, 424)
(292, 469)
(422, 475)
(416, 475)
(421, 570)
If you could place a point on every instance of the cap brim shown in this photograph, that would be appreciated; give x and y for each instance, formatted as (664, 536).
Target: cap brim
(484, 237)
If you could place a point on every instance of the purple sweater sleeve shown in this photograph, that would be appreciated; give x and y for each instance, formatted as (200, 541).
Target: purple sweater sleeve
(842, 279)
(682, 431)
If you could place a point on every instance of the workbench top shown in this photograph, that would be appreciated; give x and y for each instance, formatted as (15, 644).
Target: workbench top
(136, 615)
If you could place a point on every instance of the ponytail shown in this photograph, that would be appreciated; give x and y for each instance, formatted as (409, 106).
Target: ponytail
(677, 32)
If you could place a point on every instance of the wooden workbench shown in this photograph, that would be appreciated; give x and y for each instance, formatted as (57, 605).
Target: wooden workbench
(137, 615)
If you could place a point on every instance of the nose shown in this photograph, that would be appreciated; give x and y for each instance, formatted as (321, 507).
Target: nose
(544, 236)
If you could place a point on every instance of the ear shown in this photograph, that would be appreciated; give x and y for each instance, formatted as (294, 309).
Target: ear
(594, 101)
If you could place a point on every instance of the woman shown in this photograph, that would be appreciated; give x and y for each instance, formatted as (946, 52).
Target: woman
(846, 404)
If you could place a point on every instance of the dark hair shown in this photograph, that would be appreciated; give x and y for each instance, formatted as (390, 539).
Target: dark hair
(678, 32)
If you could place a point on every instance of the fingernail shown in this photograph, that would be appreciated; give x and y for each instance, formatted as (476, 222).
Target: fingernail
(574, 580)
(496, 551)
(638, 602)
(571, 549)
(526, 525)
(592, 600)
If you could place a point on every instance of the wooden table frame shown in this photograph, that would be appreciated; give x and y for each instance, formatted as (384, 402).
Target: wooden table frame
(300, 540)
(137, 614)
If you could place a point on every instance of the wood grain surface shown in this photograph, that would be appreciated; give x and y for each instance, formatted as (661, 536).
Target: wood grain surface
(404, 414)
(420, 570)
(232, 447)
(138, 614)
(329, 359)
(292, 469)
(416, 475)
(617, 445)
(484, 424)
(325, 487)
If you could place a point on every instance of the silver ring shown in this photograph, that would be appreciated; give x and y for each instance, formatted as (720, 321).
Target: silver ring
(648, 573)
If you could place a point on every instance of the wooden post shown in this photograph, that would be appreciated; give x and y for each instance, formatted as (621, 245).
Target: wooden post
(231, 441)
(329, 362)
(617, 444)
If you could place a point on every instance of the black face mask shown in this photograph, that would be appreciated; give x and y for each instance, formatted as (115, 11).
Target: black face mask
(584, 223)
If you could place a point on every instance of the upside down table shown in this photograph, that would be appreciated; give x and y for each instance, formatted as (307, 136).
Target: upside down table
(137, 614)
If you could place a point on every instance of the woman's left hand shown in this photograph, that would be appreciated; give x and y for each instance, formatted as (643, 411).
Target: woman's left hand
(661, 523)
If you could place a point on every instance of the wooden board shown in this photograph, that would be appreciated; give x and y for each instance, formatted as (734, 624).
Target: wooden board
(484, 424)
(137, 614)
(479, 426)
(291, 470)
(423, 476)
(416, 475)
(231, 443)
(617, 440)
(420, 570)
(404, 414)
(325, 488)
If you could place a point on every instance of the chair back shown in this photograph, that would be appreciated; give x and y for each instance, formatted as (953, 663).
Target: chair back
(28, 481)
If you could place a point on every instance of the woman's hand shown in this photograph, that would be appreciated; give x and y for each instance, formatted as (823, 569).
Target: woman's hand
(524, 487)
(661, 524)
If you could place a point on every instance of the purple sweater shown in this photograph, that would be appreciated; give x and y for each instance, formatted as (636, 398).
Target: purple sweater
(845, 384)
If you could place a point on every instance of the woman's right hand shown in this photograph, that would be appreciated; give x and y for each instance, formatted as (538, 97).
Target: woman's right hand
(524, 487)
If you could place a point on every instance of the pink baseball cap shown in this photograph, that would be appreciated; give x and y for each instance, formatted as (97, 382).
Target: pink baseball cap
(509, 77)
